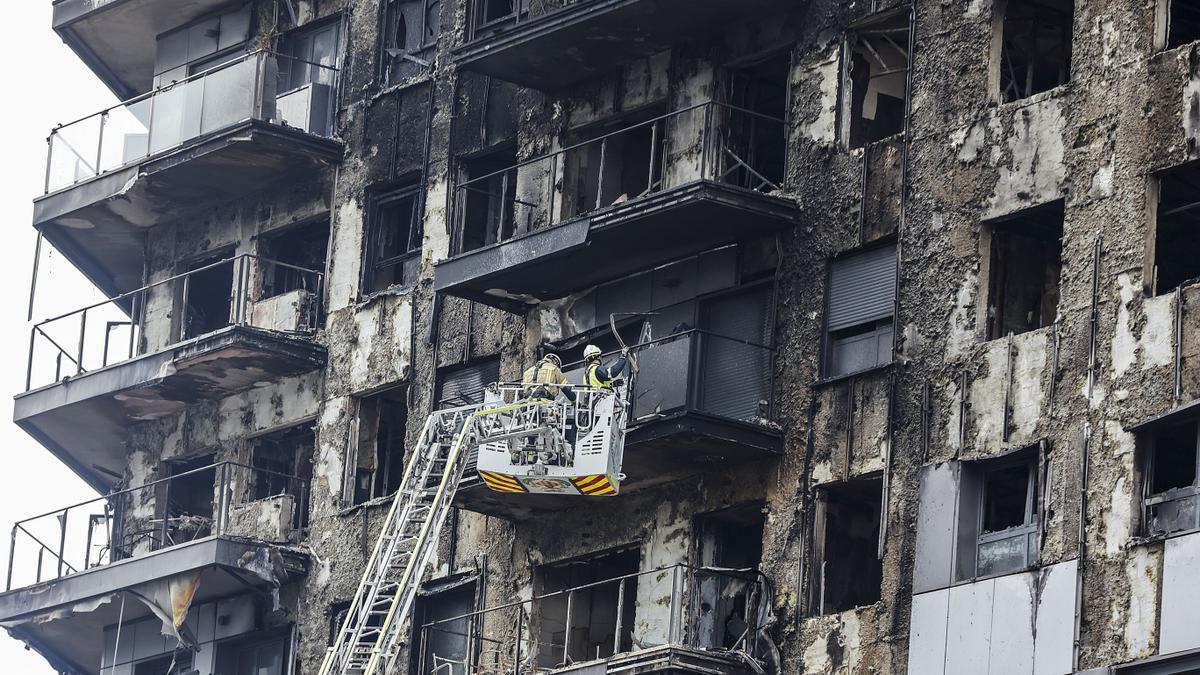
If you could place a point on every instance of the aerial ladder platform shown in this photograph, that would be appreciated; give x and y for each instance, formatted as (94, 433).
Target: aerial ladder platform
(520, 444)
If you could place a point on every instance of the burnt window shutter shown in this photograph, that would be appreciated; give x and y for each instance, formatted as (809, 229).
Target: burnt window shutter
(465, 385)
(862, 288)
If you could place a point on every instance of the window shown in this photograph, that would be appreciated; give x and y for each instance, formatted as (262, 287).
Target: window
(1170, 492)
(464, 385)
(410, 31)
(757, 141)
(1177, 229)
(860, 305)
(308, 56)
(999, 515)
(379, 467)
(302, 250)
(281, 462)
(1178, 22)
(728, 539)
(492, 11)
(1035, 46)
(189, 498)
(207, 296)
(1024, 265)
(877, 79)
(179, 663)
(394, 240)
(446, 648)
(488, 199)
(616, 162)
(201, 45)
(846, 569)
(252, 655)
(596, 612)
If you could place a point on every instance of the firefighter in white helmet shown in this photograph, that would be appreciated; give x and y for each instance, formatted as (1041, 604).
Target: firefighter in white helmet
(596, 374)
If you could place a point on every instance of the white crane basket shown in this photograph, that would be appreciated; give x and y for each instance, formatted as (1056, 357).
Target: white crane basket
(541, 446)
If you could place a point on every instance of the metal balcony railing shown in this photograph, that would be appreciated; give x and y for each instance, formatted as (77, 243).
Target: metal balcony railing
(172, 310)
(213, 500)
(202, 104)
(708, 141)
(698, 371)
(680, 605)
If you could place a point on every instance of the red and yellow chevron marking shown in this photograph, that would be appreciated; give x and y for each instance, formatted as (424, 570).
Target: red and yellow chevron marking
(595, 486)
(500, 482)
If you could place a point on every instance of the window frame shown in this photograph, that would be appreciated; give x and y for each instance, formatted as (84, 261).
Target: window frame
(828, 341)
(996, 65)
(390, 11)
(1029, 526)
(1149, 499)
(372, 263)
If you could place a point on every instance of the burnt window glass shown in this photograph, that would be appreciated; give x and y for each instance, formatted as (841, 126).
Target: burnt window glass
(394, 240)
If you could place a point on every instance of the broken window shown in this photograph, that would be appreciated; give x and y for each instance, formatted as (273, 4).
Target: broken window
(1170, 488)
(1179, 22)
(395, 234)
(860, 306)
(1035, 46)
(877, 79)
(256, 654)
(464, 385)
(846, 569)
(599, 612)
(281, 464)
(488, 12)
(447, 643)
(755, 134)
(489, 200)
(999, 515)
(379, 467)
(410, 32)
(1177, 229)
(1025, 262)
(612, 162)
(729, 539)
(188, 497)
(295, 257)
(207, 297)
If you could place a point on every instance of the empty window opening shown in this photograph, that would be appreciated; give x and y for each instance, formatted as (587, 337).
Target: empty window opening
(395, 233)
(290, 252)
(756, 148)
(381, 429)
(410, 32)
(447, 643)
(999, 515)
(846, 569)
(464, 385)
(1170, 486)
(860, 306)
(1025, 260)
(877, 77)
(281, 462)
(188, 497)
(494, 11)
(1035, 47)
(589, 632)
(1177, 229)
(729, 539)
(1182, 19)
(207, 297)
(614, 162)
(256, 654)
(488, 200)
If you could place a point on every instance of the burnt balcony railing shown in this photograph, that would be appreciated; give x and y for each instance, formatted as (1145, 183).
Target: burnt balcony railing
(704, 142)
(248, 88)
(698, 371)
(712, 610)
(226, 498)
(243, 290)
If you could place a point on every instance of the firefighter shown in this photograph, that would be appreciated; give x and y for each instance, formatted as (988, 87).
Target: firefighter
(545, 379)
(596, 374)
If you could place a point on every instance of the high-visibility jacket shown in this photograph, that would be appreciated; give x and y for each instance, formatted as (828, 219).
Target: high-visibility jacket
(593, 378)
(544, 379)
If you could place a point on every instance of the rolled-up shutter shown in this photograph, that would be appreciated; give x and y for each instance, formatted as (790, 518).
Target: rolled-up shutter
(862, 288)
(464, 386)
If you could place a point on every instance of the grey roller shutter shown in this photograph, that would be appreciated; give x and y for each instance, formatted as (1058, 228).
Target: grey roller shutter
(464, 386)
(862, 288)
(735, 375)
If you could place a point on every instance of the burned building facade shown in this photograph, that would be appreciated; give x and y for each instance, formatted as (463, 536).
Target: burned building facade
(908, 287)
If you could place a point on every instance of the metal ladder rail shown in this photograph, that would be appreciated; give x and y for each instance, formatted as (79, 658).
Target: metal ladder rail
(350, 636)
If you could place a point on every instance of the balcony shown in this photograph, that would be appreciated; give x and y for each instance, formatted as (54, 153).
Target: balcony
(673, 620)
(115, 38)
(217, 530)
(214, 331)
(698, 401)
(569, 42)
(177, 151)
(621, 203)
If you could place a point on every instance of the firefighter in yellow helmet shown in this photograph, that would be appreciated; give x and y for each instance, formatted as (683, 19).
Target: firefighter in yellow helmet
(545, 379)
(596, 374)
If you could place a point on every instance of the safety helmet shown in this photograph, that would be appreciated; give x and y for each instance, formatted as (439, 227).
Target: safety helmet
(591, 352)
(554, 358)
